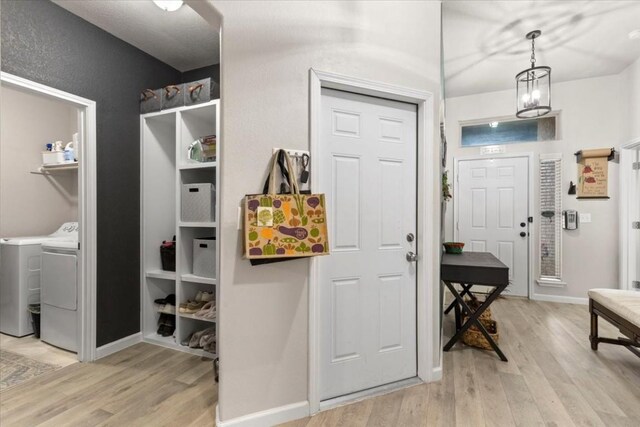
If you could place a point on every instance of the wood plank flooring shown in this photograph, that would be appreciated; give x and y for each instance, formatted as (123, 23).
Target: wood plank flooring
(552, 378)
(142, 385)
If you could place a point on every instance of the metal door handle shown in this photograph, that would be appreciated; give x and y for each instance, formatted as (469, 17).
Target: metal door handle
(411, 257)
(523, 234)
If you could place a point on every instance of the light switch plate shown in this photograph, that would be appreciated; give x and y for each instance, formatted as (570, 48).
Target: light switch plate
(585, 217)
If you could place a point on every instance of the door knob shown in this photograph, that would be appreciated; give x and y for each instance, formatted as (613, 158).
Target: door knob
(523, 234)
(411, 257)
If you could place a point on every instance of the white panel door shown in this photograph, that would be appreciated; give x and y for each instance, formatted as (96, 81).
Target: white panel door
(367, 288)
(493, 207)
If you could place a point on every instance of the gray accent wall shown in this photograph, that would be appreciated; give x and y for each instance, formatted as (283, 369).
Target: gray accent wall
(47, 44)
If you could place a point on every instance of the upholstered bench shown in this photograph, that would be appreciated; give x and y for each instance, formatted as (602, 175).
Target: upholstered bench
(621, 309)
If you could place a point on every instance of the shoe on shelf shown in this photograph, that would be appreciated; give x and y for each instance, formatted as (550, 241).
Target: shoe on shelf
(169, 299)
(210, 346)
(206, 296)
(185, 342)
(167, 309)
(195, 338)
(208, 339)
(193, 307)
(208, 311)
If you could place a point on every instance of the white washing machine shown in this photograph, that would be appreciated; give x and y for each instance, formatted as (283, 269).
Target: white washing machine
(59, 294)
(20, 260)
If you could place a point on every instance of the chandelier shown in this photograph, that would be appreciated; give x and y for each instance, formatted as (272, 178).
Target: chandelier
(533, 86)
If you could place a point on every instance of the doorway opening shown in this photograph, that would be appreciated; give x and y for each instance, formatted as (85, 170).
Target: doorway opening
(48, 194)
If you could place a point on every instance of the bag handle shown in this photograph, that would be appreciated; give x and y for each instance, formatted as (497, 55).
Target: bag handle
(283, 172)
(293, 182)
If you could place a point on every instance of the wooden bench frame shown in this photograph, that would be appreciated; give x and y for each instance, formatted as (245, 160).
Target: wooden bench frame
(631, 331)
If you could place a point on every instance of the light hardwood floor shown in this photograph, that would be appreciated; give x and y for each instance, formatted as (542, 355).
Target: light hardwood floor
(142, 385)
(552, 378)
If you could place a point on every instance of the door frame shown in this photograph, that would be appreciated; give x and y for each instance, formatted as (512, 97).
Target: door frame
(626, 200)
(530, 188)
(86, 206)
(428, 224)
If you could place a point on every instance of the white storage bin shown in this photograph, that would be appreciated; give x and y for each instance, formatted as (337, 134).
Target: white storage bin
(52, 157)
(204, 257)
(198, 202)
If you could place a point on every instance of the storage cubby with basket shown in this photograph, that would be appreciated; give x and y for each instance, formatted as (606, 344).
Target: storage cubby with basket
(179, 198)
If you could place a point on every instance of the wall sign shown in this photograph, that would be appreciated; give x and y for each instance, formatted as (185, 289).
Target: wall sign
(593, 173)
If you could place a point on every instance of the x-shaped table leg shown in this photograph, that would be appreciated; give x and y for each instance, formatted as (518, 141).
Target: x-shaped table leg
(473, 319)
(466, 290)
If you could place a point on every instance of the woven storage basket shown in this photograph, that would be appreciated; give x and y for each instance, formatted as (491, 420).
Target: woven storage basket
(474, 337)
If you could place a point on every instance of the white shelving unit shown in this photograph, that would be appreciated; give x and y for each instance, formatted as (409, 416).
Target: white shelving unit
(164, 167)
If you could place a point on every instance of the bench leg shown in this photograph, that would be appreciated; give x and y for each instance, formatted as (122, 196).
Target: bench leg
(594, 328)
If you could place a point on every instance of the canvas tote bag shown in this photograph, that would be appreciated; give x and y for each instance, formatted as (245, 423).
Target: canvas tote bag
(280, 226)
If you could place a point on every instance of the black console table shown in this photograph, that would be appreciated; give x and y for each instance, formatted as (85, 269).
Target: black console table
(469, 269)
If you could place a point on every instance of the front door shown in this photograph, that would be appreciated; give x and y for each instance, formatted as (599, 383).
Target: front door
(493, 207)
(367, 287)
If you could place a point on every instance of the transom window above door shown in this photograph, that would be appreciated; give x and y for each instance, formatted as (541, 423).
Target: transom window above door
(499, 131)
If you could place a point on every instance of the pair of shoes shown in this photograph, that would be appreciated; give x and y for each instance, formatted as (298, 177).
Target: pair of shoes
(208, 311)
(197, 336)
(166, 324)
(191, 307)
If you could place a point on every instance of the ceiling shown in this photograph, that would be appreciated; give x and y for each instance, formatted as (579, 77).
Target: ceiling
(485, 46)
(182, 39)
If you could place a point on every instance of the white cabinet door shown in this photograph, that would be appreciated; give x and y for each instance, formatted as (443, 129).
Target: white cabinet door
(367, 288)
(493, 211)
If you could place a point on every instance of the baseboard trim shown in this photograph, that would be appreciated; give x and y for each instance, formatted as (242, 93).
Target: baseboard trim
(561, 299)
(436, 374)
(119, 345)
(270, 417)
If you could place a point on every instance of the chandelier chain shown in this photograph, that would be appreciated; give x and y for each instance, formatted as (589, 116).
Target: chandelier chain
(533, 52)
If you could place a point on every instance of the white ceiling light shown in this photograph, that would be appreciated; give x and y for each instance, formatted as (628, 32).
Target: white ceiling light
(169, 5)
(634, 35)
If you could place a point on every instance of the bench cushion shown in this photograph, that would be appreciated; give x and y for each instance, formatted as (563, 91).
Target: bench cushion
(625, 303)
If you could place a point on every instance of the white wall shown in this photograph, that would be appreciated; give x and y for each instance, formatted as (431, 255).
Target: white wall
(267, 51)
(591, 117)
(631, 93)
(33, 204)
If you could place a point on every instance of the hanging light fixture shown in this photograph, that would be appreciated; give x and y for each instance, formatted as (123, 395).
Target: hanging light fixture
(169, 5)
(533, 86)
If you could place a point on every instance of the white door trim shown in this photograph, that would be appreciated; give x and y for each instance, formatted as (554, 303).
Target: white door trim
(87, 208)
(532, 225)
(428, 218)
(626, 199)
